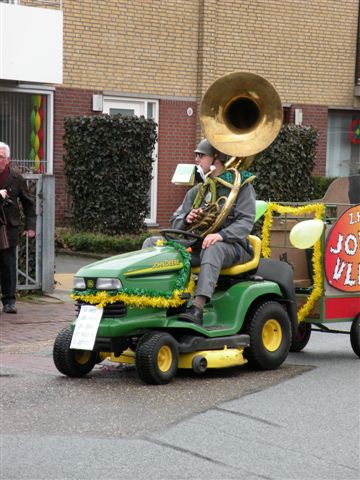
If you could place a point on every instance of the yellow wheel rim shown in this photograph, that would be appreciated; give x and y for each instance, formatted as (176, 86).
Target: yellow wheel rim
(272, 335)
(82, 357)
(164, 358)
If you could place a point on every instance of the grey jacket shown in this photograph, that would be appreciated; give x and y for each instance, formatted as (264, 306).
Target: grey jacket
(238, 224)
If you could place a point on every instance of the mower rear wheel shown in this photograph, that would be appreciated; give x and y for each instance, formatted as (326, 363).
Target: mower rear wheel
(355, 335)
(301, 338)
(157, 357)
(71, 362)
(270, 336)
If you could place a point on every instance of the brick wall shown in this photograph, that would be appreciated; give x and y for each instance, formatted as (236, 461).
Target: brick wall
(293, 43)
(131, 46)
(67, 102)
(316, 116)
(176, 145)
(176, 48)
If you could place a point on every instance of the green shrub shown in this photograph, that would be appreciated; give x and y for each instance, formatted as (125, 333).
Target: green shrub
(108, 168)
(98, 242)
(284, 169)
(321, 184)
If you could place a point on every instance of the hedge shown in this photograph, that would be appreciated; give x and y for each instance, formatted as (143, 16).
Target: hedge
(284, 169)
(71, 240)
(108, 165)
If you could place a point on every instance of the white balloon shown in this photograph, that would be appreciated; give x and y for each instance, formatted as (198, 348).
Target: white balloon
(305, 234)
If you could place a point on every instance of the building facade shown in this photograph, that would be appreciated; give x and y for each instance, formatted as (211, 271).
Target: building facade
(157, 58)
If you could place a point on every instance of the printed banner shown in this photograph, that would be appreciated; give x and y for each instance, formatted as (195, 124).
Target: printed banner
(342, 252)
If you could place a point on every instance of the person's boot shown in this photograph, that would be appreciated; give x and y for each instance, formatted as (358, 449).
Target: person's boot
(9, 307)
(192, 314)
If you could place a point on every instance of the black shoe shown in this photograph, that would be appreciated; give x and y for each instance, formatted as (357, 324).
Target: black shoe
(192, 314)
(9, 308)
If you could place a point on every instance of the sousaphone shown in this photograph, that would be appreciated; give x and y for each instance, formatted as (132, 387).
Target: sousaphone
(240, 114)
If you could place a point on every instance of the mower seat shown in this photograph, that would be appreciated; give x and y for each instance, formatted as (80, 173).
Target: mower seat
(239, 268)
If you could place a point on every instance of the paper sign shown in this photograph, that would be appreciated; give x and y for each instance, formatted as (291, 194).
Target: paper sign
(86, 327)
(184, 174)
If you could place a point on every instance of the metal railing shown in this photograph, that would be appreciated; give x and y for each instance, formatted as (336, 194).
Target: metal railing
(35, 257)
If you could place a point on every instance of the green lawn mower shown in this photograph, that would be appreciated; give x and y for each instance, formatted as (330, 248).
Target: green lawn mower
(128, 307)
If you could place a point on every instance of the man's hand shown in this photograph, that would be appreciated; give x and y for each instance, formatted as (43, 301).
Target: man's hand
(29, 233)
(211, 239)
(193, 215)
(3, 193)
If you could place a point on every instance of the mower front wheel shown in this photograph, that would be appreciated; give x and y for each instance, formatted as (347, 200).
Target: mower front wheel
(157, 357)
(270, 336)
(71, 362)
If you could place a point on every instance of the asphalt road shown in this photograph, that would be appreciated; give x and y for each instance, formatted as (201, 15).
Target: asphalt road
(298, 422)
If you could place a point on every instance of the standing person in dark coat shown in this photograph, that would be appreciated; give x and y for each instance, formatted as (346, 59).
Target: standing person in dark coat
(12, 188)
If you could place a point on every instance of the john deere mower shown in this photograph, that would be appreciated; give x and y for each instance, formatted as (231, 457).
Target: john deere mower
(138, 296)
(129, 305)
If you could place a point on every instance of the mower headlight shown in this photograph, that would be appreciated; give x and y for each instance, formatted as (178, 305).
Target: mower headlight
(79, 283)
(108, 284)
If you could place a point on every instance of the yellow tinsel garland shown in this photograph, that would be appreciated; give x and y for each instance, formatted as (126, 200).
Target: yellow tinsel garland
(102, 298)
(318, 209)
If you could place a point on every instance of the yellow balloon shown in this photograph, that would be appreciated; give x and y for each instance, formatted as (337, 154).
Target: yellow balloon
(37, 162)
(36, 143)
(37, 122)
(305, 234)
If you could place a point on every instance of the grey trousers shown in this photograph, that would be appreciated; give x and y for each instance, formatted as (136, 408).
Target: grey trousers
(212, 260)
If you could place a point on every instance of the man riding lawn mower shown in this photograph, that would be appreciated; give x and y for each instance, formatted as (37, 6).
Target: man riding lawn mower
(133, 307)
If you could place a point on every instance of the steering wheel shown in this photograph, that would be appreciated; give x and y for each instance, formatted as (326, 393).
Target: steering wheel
(185, 238)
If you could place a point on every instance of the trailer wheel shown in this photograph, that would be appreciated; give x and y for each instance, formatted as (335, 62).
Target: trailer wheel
(355, 335)
(270, 336)
(301, 338)
(157, 356)
(71, 362)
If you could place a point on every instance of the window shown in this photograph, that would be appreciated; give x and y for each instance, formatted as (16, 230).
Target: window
(343, 156)
(25, 127)
(149, 109)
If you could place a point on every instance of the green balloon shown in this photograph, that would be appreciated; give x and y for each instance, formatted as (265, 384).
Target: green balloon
(261, 208)
(32, 119)
(32, 138)
(32, 154)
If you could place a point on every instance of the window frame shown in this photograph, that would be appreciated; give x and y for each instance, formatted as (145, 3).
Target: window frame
(110, 101)
(49, 92)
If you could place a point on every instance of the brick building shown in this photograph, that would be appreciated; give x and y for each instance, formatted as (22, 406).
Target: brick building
(157, 58)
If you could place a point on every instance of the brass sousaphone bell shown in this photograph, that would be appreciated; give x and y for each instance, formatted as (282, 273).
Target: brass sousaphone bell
(240, 114)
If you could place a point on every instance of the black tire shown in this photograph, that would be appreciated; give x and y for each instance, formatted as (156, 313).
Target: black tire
(199, 364)
(355, 335)
(270, 336)
(301, 338)
(71, 362)
(157, 357)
